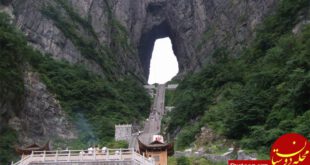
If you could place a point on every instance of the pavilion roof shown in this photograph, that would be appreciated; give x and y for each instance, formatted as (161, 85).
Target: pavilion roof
(33, 147)
(156, 146)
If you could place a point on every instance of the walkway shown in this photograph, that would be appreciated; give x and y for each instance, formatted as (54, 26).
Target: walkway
(79, 157)
(153, 123)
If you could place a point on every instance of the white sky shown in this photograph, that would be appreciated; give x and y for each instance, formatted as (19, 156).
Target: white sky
(164, 65)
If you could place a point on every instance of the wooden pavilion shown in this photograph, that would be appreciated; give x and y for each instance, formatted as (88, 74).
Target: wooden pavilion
(33, 147)
(157, 150)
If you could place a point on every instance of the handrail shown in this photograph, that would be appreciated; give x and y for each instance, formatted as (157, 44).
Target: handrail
(23, 159)
(85, 155)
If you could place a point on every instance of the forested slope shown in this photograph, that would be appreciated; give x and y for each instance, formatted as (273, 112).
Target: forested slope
(258, 96)
(84, 96)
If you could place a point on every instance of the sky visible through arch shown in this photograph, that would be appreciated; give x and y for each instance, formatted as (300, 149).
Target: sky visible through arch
(164, 65)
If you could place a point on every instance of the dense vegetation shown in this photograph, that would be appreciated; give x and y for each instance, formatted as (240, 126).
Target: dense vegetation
(7, 139)
(84, 95)
(257, 97)
(93, 103)
(12, 45)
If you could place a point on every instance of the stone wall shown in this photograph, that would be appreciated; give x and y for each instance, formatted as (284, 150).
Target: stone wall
(123, 132)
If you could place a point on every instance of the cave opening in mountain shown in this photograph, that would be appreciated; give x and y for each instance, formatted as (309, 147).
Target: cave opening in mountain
(164, 65)
(156, 52)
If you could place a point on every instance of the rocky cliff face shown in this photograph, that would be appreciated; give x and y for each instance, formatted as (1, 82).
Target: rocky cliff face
(42, 117)
(196, 28)
(116, 37)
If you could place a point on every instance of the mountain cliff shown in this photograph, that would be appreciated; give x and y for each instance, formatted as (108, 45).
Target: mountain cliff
(91, 52)
(251, 100)
(129, 29)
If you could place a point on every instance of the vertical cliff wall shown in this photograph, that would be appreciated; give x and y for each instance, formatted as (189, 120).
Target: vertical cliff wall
(41, 118)
(196, 28)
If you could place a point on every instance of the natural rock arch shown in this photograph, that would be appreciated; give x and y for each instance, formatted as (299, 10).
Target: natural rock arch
(147, 41)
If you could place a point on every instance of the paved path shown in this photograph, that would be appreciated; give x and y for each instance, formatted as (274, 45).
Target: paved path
(153, 123)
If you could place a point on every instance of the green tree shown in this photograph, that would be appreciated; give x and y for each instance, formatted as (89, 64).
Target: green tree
(183, 161)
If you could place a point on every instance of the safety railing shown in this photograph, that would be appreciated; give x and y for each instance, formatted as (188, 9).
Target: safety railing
(126, 155)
